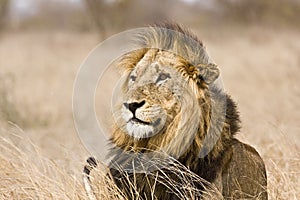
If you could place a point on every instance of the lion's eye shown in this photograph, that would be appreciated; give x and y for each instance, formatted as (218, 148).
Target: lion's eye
(132, 78)
(162, 77)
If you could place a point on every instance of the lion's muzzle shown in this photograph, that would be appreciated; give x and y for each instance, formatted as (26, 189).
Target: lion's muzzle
(142, 120)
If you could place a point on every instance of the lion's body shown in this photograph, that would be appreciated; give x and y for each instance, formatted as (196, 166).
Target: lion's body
(244, 177)
(172, 105)
(238, 173)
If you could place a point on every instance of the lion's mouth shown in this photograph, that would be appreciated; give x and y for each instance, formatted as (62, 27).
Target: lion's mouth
(137, 120)
(138, 128)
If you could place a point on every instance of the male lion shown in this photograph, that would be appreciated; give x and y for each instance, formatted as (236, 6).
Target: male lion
(172, 104)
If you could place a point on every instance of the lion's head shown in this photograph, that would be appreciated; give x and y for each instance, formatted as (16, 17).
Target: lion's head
(166, 101)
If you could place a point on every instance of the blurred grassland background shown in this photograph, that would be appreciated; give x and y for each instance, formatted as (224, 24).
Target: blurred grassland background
(43, 42)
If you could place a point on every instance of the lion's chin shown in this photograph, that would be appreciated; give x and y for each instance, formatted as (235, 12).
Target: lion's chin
(140, 130)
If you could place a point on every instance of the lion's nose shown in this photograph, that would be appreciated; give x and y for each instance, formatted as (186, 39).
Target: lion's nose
(134, 106)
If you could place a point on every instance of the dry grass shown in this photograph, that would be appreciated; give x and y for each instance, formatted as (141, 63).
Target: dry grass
(184, 190)
(25, 174)
(44, 158)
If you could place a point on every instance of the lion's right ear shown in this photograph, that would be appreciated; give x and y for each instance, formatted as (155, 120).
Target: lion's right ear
(208, 72)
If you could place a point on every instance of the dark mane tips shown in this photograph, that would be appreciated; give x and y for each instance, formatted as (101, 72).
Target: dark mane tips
(178, 28)
(174, 38)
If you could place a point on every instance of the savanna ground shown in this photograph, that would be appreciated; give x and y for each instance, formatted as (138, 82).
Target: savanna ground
(41, 156)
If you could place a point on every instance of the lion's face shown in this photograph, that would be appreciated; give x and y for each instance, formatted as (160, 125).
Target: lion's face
(151, 100)
(164, 102)
(159, 102)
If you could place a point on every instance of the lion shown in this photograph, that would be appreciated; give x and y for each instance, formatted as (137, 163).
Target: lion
(171, 103)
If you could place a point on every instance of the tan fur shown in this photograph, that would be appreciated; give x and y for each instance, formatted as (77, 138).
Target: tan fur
(162, 140)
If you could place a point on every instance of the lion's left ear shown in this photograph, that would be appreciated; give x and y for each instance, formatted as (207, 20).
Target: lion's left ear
(208, 72)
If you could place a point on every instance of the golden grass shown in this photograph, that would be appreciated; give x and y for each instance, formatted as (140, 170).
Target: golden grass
(44, 158)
